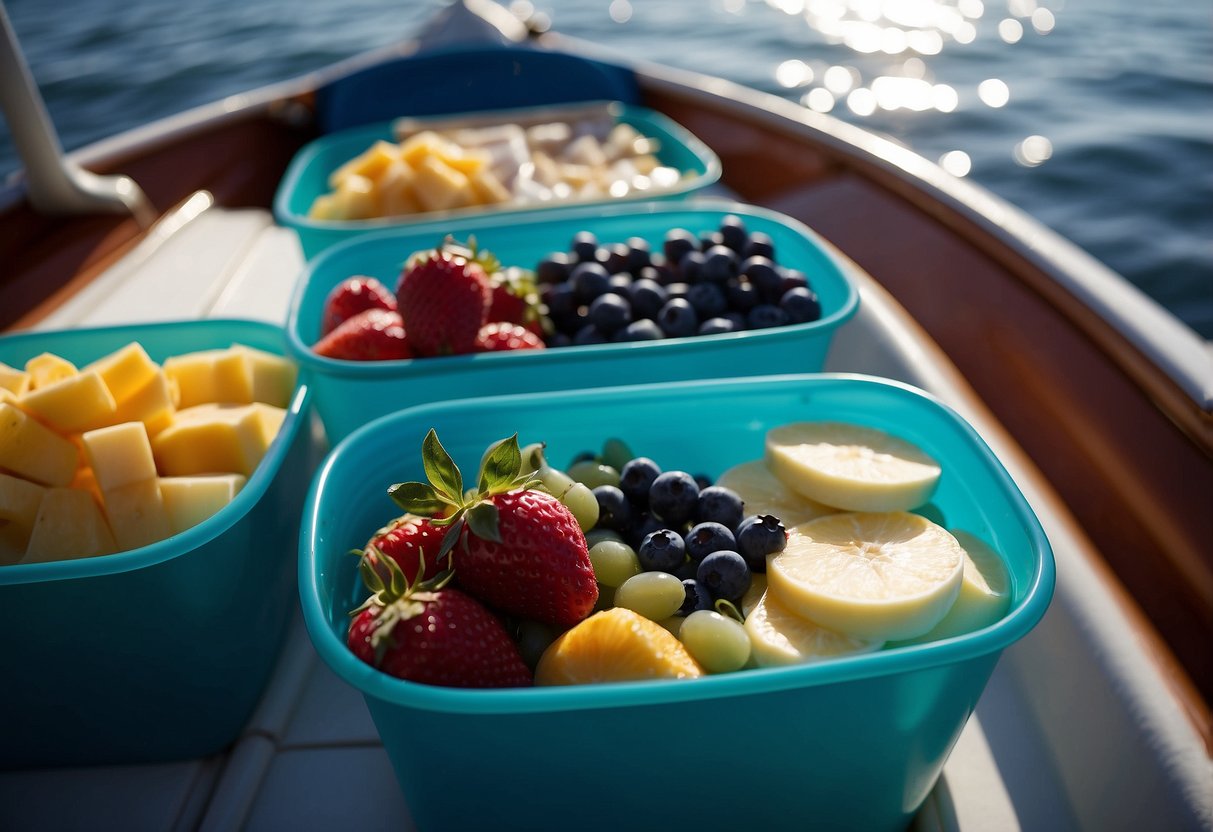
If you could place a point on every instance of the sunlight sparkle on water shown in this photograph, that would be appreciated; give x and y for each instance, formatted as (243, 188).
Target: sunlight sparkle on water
(620, 11)
(1033, 151)
(862, 101)
(1010, 30)
(994, 92)
(819, 100)
(793, 73)
(839, 79)
(1043, 21)
(956, 162)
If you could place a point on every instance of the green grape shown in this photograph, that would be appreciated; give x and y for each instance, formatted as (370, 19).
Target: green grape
(719, 644)
(594, 473)
(595, 536)
(556, 482)
(655, 595)
(616, 453)
(606, 598)
(614, 562)
(532, 457)
(533, 639)
(580, 500)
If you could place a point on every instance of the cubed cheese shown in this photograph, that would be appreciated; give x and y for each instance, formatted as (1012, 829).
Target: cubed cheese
(73, 404)
(69, 525)
(273, 376)
(190, 500)
(215, 438)
(19, 501)
(153, 404)
(120, 455)
(136, 514)
(211, 376)
(126, 371)
(48, 368)
(32, 451)
(12, 543)
(12, 380)
(440, 187)
(370, 164)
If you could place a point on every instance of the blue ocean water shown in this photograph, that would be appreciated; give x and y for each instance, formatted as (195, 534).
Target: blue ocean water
(1092, 115)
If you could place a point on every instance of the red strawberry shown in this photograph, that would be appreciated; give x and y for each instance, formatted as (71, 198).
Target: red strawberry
(354, 295)
(410, 541)
(515, 298)
(503, 337)
(514, 548)
(372, 335)
(443, 297)
(425, 633)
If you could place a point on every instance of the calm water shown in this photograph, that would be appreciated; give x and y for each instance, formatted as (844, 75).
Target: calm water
(1092, 115)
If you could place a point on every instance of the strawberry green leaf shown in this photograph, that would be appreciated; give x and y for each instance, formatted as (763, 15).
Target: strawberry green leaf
(441, 469)
(450, 538)
(417, 498)
(500, 466)
(482, 521)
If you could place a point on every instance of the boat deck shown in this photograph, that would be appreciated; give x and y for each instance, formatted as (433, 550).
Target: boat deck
(1074, 714)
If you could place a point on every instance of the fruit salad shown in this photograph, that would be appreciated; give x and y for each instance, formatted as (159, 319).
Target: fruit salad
(457, 299)
(124, 452)
(615, 569)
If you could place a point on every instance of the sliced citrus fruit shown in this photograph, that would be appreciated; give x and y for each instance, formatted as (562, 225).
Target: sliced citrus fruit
(779, 637)
(758, 588)
(985, 591)
(850, 466)
(615, 645)
(764, 493)
(875, 576)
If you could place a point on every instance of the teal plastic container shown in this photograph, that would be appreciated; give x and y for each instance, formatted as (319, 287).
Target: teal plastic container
(349, 394)
(308, 173)
(853, 743)
(161, 652)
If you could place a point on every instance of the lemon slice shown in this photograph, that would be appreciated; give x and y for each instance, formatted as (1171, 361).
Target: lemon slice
(875, 576)
(758, 588)
(779, 637)
(985, 591)
(764, 493)
(851, 467)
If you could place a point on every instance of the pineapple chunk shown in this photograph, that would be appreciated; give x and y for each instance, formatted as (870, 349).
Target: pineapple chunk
(12, 380)
(211, 376)
(371, 164)
(190, 500)
(120, 455)
(273, 376)
(33, 451)
(136, 514)
(440, 187)
(217, 438)
(76, 403)
(48, 368)
(69, 525)
(153, 404)
(125, 371)
(19, 501)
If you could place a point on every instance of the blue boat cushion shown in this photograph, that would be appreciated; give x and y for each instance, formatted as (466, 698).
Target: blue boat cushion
(468, 80)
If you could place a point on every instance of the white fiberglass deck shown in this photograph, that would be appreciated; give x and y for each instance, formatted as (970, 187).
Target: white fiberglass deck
(1075, 729)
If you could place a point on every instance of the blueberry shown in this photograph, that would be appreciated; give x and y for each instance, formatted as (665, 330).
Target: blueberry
(765, 316)
(698, 597)
(672, 497)
(617, 258)
(738, 319)
(610, 312)
(742, 295)
(687, 571)
(661, 551)
(554, 268)
(642, 330)
(636, 478)
(621, 284)
(588, 334)
(676, 290)
(584, 246)
(559, 339)
(718, 504)
(602, 256)
(710, 238)
(707, 299)
(690, 267)
(733, 230)
(801, 304)
(793, 279)
(666, 273)
(715, 326)
(589, 280)
(705, 538)
(614, 510)
(760, 535)
(643, 525)
(638, 255)
(759, 245)
(724, 574)
(648, 296)
(678, 319)
(560, 301)
(678, 241)
(719, 264)
(765, 277)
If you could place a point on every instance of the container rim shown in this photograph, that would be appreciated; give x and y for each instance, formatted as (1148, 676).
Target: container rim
(374, 683)
(207, 530)
(302, 352)
(307, 155)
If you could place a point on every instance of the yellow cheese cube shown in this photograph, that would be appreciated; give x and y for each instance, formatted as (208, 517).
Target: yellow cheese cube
(69, 525)
(440, 187)
(136, 514)
(48, 368)
(325, 207)
(125, 371)
(12, 380)
(32, 451)
(19, 501)
(77, 403)
(12, 543)
(86, 480)
(395, 189)
(467, 162)
(7, 395)
(273, 376)
(211, 376)
(119, 455)
(423, 145)
(153, 404)
(190, 500)
(216, 439)
(488, 188)
(356, 198)
(370, 164)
